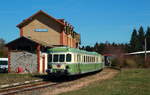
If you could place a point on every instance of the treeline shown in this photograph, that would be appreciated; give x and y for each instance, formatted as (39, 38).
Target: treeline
(137, 43)
(107, 48)
(139, 38)
(3, 49)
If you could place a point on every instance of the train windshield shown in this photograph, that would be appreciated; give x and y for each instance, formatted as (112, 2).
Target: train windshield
(49, 58)
(59, 57)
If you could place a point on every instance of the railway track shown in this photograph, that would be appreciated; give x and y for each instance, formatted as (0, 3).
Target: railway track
(28, 87)
(39, 85)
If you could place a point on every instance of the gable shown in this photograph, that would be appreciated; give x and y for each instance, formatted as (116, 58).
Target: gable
(40, 15)
(40, 21)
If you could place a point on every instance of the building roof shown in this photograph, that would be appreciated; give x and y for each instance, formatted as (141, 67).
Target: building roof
(23, 39)
(62, 22)
(39, 12)
(108, 55)
(68, 49)
(136, 53)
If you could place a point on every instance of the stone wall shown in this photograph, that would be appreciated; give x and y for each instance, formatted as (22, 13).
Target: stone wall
(25, 60)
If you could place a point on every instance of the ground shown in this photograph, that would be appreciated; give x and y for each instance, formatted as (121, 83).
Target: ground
(106, 82)
(6, 78)
(128, 82)
(74, 84)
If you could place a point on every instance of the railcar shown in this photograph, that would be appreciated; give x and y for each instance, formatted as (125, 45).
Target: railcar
(72, 61)
(3, 65)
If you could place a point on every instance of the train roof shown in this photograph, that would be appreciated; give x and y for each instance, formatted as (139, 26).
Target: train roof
(68, 49)
(3, 59)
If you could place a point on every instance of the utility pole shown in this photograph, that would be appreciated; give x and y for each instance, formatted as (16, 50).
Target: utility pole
(145, 49)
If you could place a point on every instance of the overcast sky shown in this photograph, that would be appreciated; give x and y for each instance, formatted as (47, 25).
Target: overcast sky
(95, 20)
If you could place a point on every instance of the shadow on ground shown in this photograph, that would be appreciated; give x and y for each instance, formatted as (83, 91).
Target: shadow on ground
(63, 78)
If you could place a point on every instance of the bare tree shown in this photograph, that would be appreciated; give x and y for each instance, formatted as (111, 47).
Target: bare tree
(2, 43)
(3, 49)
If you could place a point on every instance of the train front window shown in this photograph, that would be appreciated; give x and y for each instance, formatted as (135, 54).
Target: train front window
(68, 58)
(49, 58)
(55, 58)
(61, 58)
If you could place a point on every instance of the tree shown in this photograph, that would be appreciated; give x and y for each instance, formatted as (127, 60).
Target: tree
(83, 48)
(2, 43)
(148, 38)
(141, 37)
(96, 47)
(89, 48)
(134, 41)
(3, 50)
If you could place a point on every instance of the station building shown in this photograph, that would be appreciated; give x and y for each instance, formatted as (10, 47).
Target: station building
(38, 33)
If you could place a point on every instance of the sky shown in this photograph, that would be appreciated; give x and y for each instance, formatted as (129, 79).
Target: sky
(96, 20)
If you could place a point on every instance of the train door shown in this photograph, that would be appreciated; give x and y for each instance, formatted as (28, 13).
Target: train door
(107, 61)
(79, 63)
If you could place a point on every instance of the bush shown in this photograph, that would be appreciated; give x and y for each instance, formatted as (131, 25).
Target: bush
(114, 62)
(137, 62)
(130, 63)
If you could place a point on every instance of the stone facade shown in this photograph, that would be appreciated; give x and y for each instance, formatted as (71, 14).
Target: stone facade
(25, 60)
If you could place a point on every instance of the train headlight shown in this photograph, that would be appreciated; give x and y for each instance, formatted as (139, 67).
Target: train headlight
(67, 67)
(58, 65)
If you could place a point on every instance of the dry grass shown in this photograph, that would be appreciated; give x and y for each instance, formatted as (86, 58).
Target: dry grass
(128, 82)
(13, 78)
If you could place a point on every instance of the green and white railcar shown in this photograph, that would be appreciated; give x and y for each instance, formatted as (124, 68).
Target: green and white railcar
(71, 61)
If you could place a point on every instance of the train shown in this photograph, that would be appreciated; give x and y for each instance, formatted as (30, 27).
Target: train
(3, 65)
(72, 61)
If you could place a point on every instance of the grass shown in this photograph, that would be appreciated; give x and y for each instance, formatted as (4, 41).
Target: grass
(6, 78)
(128, 82)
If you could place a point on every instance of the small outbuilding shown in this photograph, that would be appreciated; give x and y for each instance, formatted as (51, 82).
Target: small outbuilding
(27, 56)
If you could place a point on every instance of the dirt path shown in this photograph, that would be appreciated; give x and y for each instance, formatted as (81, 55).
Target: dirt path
(105, 74)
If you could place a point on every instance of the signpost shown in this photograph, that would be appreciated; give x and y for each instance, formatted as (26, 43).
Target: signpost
(145, 50)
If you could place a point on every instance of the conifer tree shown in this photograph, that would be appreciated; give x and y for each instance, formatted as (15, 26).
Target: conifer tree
(134, 41)
(148, 38)
(2, 43)
(96, 47)
(141, 37)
